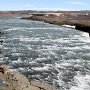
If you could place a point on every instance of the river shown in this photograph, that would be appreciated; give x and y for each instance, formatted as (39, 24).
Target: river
(46, 52)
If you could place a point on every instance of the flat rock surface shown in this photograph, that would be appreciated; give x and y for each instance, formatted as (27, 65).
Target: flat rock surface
(10, 80)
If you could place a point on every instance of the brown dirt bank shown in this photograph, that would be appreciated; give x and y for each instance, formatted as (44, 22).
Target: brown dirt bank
(11, 14)
(12, 80)
(81, 21)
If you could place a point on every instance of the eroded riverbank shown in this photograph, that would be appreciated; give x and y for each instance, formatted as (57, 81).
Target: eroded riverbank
(81, 21)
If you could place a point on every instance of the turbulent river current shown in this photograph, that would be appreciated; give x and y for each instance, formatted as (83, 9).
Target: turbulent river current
(46, 52)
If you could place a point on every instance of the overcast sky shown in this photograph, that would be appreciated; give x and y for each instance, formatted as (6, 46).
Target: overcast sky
(44, 4)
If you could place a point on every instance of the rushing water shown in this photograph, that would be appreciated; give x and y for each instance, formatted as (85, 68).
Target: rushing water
(45, 52)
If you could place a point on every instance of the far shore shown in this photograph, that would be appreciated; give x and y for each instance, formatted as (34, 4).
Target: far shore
(81, 20)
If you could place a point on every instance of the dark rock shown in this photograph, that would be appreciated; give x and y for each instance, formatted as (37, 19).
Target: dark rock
(1, 70)
(1, 41)
(82, 27)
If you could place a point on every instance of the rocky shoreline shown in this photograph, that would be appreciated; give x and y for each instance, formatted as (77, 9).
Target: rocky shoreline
(12, 80)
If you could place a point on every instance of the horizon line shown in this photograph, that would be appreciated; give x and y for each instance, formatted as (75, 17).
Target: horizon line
(44, 10)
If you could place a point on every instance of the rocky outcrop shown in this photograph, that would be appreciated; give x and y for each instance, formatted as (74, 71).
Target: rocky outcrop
(15, 81)
(82, 27)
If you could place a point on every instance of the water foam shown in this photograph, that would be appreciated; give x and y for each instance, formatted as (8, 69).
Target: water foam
(85, 34)
(36, 28)
(69, 26)
(45, 68)
(82, 82)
